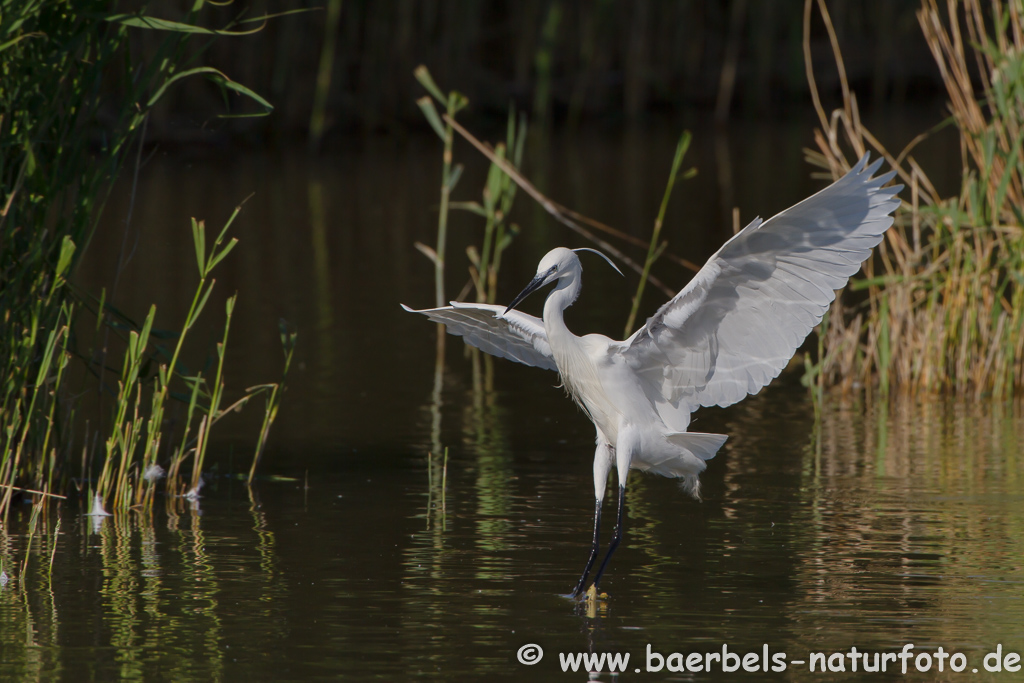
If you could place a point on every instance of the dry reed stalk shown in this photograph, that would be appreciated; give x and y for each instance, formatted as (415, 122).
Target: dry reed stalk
(944, 307)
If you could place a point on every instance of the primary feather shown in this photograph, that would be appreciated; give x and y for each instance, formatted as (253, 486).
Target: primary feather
(515, 335)
(735, 326)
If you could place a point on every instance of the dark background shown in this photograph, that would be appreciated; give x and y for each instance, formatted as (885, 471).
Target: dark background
(566, 62)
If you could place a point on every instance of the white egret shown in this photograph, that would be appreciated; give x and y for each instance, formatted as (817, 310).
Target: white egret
(726, 335)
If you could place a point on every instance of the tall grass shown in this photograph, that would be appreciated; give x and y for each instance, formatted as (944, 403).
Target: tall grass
(497, 197)
(62, 142)
(453, 102)
(942, 306)
(131, 466)
(496, 202)
(656, 247)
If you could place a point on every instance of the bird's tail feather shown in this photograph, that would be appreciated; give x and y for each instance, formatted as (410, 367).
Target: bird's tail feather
(683, 458)
(704, 446)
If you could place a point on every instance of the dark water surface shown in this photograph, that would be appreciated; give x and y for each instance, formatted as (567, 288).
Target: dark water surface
(873, 526)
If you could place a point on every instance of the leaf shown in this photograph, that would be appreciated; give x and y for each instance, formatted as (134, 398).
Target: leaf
(44, 366)
(148, 325)
(215, 75)
(30, 160)
(257, 388)
(199, 239)
(157, 24)
(23, 36)
(426, 105)
(456, 102)
(67, 250)
(101, 309)
(263, 18)
(426, 251)
(453, 178)
(495, 178)
(288, 337)
(1008, 172)
(231, 219)
(133, 346)
(422, 75)
(219, 256)
(472, 207)
(202, 304)
(507, 238)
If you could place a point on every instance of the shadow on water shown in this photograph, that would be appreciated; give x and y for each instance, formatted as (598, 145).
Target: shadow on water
(363, 557)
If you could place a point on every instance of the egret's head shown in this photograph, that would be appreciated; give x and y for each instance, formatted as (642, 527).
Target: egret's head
(556, 264)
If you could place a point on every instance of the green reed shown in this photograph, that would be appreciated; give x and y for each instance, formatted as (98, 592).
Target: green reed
(63, 142)
(496, 202)
(497, 197)
(130, 467)
(655, 248)
(498, 194)
(450, 174)
(273, 393)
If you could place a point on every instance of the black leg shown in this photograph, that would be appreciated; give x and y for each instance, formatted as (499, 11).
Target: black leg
(593, 552)
(616, 538)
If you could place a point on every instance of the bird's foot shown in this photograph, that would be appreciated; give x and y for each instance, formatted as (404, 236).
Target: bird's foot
(579, 591)
(590, 594)
(576, 594)
(593, 602)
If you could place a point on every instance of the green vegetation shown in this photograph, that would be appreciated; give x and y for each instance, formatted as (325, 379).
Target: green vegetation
(655, 248)
(453, 103)
(63, 142)
(496, 202)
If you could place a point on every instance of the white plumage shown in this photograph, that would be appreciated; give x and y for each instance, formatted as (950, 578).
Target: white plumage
(726, 335)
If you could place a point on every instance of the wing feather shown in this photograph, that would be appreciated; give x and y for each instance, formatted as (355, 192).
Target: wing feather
(516, 336)
(735, 326)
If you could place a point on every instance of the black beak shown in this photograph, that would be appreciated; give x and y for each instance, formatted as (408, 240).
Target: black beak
(535, 284)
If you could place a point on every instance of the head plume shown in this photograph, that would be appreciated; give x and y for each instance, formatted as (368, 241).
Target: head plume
(602, 255)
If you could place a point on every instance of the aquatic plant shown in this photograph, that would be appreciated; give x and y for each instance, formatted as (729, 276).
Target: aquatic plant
(498, 194)
(656, 247)
(942, 307)
(64, 141)
(453, 102)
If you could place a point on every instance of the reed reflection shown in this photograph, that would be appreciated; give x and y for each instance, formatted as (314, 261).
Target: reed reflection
(29, 618)
(912, 510)
(139, 597)
(485, 430)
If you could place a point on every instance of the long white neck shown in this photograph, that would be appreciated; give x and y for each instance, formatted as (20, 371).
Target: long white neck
(579, 376)
(559, 299)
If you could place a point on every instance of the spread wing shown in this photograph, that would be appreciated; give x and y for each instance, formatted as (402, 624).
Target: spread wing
(735, 326)
(513, 335)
